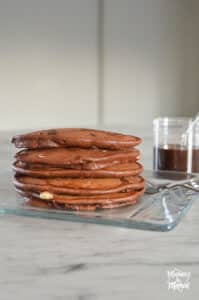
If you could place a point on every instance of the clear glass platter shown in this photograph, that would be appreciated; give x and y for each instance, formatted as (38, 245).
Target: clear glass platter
(158, 212)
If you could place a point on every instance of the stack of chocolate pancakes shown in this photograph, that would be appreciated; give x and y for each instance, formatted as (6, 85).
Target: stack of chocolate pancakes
(78, 169)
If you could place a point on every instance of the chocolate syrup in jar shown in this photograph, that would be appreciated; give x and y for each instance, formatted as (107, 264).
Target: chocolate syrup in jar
(174, 158)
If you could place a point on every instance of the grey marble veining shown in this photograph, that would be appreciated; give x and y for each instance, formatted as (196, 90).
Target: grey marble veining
(55, 260)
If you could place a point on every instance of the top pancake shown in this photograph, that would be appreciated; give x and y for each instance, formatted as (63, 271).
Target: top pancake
(75, 137)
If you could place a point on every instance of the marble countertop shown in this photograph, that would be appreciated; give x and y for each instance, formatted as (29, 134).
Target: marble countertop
(57, 260)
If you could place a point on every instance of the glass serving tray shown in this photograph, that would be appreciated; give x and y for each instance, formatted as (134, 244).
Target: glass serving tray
(158, 212)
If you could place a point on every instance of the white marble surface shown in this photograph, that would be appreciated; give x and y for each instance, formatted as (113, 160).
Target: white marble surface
(56, 260)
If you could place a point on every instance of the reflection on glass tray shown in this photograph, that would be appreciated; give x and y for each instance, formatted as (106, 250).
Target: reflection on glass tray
(159, 212)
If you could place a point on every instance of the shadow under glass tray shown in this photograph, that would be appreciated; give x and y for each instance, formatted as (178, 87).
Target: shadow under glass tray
(157, 212)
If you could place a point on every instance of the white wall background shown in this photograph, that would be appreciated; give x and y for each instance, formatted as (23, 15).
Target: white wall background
(75, 63)
(48, 63)
(144, 59)
(191, 68)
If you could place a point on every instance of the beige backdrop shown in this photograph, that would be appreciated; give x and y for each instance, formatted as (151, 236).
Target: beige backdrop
(78, 63)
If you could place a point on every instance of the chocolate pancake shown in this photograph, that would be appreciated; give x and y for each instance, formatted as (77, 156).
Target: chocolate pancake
(77, 207)
(87, 203)
(78, 186)
(75, 137)
(76, 158)
(118, 170)
(84, 200)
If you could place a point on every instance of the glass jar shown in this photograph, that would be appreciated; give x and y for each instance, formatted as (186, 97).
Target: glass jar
(174, 149)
